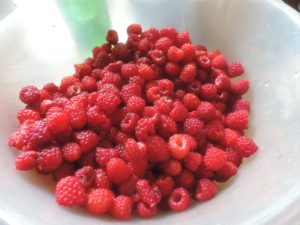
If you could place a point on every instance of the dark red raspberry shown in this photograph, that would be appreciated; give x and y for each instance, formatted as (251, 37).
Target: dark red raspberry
(239, 87)
(167, 126)
(203, 172)
(234, 156)
(157, 149)
(128, 187)
(235, 69)
(214, 158)
(146, 193)
(86, 176)
(135, 104)
(89, 84)
(246, 146)
(49, 159)
(179, 112)
(207, 111)
(188, 73)
(29, 95)
(144, 211)
(83, 69)
(237, 119)
(144, 129)
(117, 170)
(192, 161)
(166, 184)
(191, 101)
(64, 170)
(227, 171)
(179, 199)
(185, 179)
(134, 29)
(101, 179)
(70, 192)
(171, 167)
(206, 189)
(138, 168)
(122, 207)
(195, 87)
(241, 104)
(26, 160)
(193, 126)
(112, 37)
(188, 52)
(27, 114)
(87, 139)
(103, 155)
(144, 45)
(120, 51)
(135, 151)
(71, 152)
(214, 130)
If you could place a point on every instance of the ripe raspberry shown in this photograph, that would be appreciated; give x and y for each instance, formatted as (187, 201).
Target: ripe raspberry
(227, 171)
(188, 52)
(112, 37)
(135, 104)
(172, 69)
(120, 51)
(77, 114)
(83, 69)
(152, 113)
(120, 138)
(64, 170)
(108, 102)
(203, 172)
(214, 130)
(87, 140)
(235, 69)
(164, 105)
(146, 72)
(86, 176)
(175, 54)
(171, 167)
(191, 101)
(182, 38)
(49, 159)
(213, 53)
(29, 95)
(195, 87)
(146, 193)
(157, 149)
(101, 60)
(234, 156)
(204, 62)
(179, 145)
(166, 184)
(208, 91)
(157, 56)
(104, 155)
(144, 129)
(188, 73)
(50, 87)
(185, 179)
(89, 84)
(128, 187)
(57, 121)
(179, 199)
(169, 32)
(241, 104)
(193, 126)
(134, 29)
(167, 126)
(207, 111)
(165, 87)
(144, 211)
(179, 112)
(239, 87)
(70, 192)
(230, 137)
(138, 168)
(99, 201)
(71, 151)
(102, 88)
(129, 123)
(134, 151)
(206, 189)
(192, 161)
(129, 70)
(219, 62)
(246, 146)
(130, 90)
(163, 44)
(117, 170)
(28, 114)
(110, 78)
(214, 158)
(237, 119)
(26, 160)
(222, 82)
(122, 207)
(67, 82)
(144, 45)
(101, 179)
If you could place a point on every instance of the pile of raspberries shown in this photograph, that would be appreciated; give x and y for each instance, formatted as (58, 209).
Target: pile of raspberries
(152, 123)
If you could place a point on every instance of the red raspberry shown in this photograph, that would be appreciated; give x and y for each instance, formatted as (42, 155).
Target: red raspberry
(49, 159)
(241, 104)
(171, 167)
(57, 121)
(134, 151)
(83, 69)
(203, 172)
(185, 179)
(51, 88)
(180, 94)
(239, 87)
(101, 60)
(122, 207)
(179, 199)
(230, 137)
(64, 170)
(105, 88)
(179, 112)
(167, 126)
(234, 156)
(246, 146)
(214, 158)
(117, 170)
(67, 82)
(169, 32)
(135, 104)
(219, 62)
(97, 118)
(120, 138)
(87, 140)
(192, 161)
(144, 45)
(208, 91)
(157, 149)
(110, 78)
(163, 44)
(112, 37)
(165, 87)
(227, 171)
(130, 90)
(144, 211)
(108, 102)
(129, 70)
(71, 151)
(89, 84)
(99, 201)
(222, 82)
(26, 160)
(191, 101)
(138, 168)
(157, 56)
(202, 75)
(120, 51)
(29, 95)
(166, 184)
(70, 192)
(195, 87)
(175, 54)
(172, 69)
(146, 193)
(188, 73)
(28, 114)
(86, 176)
(182, 38)
(134, 29)
(204, 62)
(193, 126)
(214, 130)
(152, 113)
(145, 72)
(101, 179)
(129, 123)
(128, 186)
(188, 52)
(144, 129)
(179, 145)
(213, 53)
(87, 159)
(163, 105)
(206, 189)
(237, 119)
(235, 69)
(77, 114)
(104, 155)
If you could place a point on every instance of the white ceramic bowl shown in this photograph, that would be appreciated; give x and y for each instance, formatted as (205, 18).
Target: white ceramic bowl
(37, 46)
